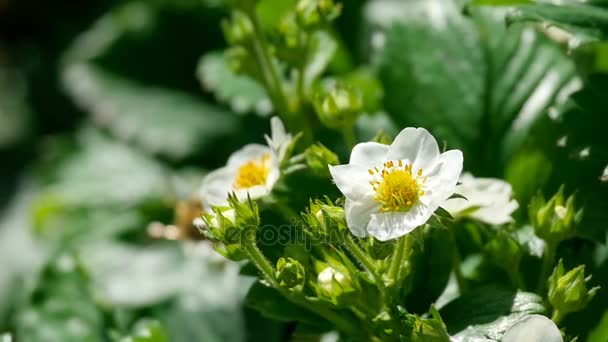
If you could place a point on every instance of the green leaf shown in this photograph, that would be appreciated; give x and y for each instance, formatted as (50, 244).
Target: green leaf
(488, 312)
(474, 83)
(163, 121)
(240, 92)
(145, 110)
(431, 270)
(273, 305)
(61, 307)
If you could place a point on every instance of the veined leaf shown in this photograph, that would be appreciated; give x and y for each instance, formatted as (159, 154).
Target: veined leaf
(240, 92)
(474, 83)
(488, 312)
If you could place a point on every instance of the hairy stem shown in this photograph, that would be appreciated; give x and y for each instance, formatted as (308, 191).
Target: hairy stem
(364, 259)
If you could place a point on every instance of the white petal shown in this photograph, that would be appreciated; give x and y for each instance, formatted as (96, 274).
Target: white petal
(416, 145)
(392, 225)
(442, 179)
(496, 214)
(254, 192)
(353, 181)
(369, 154)
(358, 215)
(216, 186)
(247, 153)
(534, 328)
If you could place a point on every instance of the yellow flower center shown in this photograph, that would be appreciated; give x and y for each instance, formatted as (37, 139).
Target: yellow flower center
(397, 187)
(252, 173)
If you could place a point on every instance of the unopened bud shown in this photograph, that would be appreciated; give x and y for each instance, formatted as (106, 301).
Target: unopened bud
(238, 29)
(554, 220)
(568, 291)
(318, 157)
(312, 14)
(339, 107)
(290, 273)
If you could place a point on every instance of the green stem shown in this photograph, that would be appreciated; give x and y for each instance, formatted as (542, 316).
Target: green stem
(515, 277)
(397, 259)
(364, 259)
(349, 136)
(260, 261)
(547, 265)
(456, 264)
(270, 74)
(557, 316)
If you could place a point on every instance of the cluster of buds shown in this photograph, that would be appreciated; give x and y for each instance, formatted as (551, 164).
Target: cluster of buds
(554, 220)
(228, 226)
(568, 290)
(314, 13)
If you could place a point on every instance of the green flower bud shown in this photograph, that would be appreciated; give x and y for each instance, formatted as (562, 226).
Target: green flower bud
(239, 29)
(504, 251)
(382, 138)
(426, 329)
(247, 213)
(334, 282)
(312, 14)
(339, 107)
(554, 220)
(218, 224)
(290, 273)
(318, 157)
(568, 291)
(324, 220)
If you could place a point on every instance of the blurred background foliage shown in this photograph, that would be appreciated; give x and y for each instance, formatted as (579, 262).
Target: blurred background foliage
(111, 112)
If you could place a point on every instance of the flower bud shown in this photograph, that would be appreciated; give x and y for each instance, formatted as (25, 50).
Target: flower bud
(290, 273)
(382, 138)
(247, 214)
(312, 14)
(426, 329)
(554, 220)
(568, 291)
(504, 250)
(239, 29)
(318, 157)
(333, 282)
(339, 107)
(324, 219)
(217, 223)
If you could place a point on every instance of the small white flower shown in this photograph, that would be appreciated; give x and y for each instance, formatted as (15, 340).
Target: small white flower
(391, 190)
(487, 200)
(251, 171)
(534, 328)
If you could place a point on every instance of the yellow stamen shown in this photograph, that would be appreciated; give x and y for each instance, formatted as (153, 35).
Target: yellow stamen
(397, 187)
(252, 173)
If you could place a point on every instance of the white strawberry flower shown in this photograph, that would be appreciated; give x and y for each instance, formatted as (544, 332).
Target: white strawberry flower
(251, 171)
(392, 190)
(488, 200)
